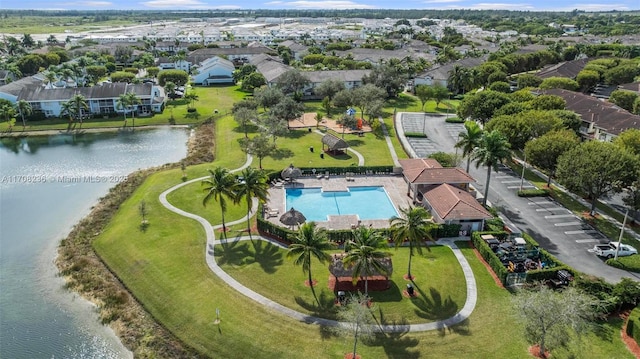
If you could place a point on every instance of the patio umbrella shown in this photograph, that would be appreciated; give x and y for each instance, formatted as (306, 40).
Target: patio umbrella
(292, 218)
(291, 172)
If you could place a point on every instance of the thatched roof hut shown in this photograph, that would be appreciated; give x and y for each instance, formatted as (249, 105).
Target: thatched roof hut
(341, 276)
(291, 172)
(292, 218)
(333, 143)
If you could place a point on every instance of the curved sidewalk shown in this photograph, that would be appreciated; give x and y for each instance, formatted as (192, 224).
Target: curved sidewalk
(459, 317)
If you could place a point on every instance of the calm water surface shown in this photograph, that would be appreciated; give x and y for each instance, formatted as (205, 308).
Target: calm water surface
(46, 186)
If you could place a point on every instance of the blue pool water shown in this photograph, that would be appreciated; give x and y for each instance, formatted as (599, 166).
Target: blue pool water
(316, 205)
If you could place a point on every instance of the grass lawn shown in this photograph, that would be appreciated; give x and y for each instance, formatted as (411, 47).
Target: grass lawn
(19, 24)
(264, 268)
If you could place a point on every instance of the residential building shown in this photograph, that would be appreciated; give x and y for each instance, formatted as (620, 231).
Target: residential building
(215, 70)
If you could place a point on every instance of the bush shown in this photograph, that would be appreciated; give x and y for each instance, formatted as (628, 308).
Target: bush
(454, 119)
(633, 325)
(630, 263)
(538, 192)
(488, 255)
(415, 134)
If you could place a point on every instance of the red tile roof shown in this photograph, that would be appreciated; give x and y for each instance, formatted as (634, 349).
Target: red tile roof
(452, 203)
(429, 171)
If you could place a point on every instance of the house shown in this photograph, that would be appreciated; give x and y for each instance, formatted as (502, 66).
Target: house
(237, 55)
(11, 90)
(379, 56)
(634, 86)
(444, 191)
(102, 99)
(351, 79)
(215, 70)
(440, 74)
(270, 67)
(601, 120)
(568, 69)
(298, 50)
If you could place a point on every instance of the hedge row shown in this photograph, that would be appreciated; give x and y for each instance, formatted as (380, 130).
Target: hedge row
(633, 325)
(538, 192)
(487, 253)
(415, 134)
(553, 264)
(454, 120)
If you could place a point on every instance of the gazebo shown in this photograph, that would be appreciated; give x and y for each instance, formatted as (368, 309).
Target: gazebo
(331, 143)
(342, 277)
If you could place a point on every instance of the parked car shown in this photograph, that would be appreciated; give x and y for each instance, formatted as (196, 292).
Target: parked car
(609, 250)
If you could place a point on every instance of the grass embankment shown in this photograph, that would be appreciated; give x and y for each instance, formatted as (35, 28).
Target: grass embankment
(20, 24)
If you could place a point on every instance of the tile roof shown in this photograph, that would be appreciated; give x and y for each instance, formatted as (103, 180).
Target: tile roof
(452, 203)
(634, 86)
(568, 69)
(603, 114)
(342, 75)
(14, 87)
(429, 171)
(270, 67)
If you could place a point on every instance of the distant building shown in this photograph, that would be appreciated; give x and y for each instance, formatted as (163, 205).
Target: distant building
(215, 70)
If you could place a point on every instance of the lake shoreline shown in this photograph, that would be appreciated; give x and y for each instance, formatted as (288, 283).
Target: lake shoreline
(37, 133)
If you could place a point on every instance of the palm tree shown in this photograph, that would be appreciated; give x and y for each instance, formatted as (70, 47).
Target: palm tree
(469, 140)
(254, 184)
(126, 101)
(494, 148)
(192, 97)
(68, 110)
(415, 227)
(80, 105)
(364, 254)
(310, 241)
(7, 112)
(221, 185)
(24, 108)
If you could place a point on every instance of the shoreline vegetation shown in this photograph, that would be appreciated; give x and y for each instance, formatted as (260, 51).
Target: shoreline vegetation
(87, 274)
(34, 133)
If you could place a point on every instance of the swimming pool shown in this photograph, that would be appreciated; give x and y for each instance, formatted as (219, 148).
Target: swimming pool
(316, 205)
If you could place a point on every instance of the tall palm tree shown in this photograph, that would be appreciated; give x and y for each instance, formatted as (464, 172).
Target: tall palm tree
(494, 149)
(220, 186)
(68, 110)
(80, 106)
(24, 109)
(311, 241)
(364, 254)
(415, 227)
(469, 140)
(254, 184)
(126, 101)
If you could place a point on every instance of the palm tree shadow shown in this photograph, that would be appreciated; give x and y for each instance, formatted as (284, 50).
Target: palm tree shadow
(395, 342)
(233, 253)
(327, 307)
(434, 307)
(267, 256)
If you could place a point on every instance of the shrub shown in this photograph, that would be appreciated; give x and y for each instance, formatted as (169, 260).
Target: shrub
(454, 119)
(415, 134)
(487, 253)
(538, 192)
(630, 263)
(633, 325)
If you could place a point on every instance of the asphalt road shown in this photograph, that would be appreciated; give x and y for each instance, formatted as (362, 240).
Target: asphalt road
(554, 227)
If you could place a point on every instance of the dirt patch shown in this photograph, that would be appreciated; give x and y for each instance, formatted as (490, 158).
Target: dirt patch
(631, 344)
(201, 147)
(534, 350)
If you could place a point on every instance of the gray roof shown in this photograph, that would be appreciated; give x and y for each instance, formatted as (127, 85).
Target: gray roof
(105, 91)
(202, 54)
(442, 72)
(342, 75)
(294, 46)
(270, 67)
(16, 86)
(568, 69)
(334, 143)
(378, 55)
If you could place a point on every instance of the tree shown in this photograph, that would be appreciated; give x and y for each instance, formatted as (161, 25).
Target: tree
(178, 77)
(494, 149)
(414, 226)
(424, 93)
(126, 103)
(544, 151)
(343, 99)
(365, 96)
(122, 76)
(624, 99)
(500, 86)
(27, 41)
(550, 317)
(7, 112)
(440, 93)
(525, 126)
(364, 254)
(244, 117)
(329, 88)
(347, 121)
(259, 146)
(446, 159)
(482, 105)
(68, 110)
(326, 105)
(152, 71)
(528, 80)
(24, 109)
(192, 97)
(268, 97)
(621, 74)
(220, 186)
(310, 242)
(244, 71)
(80, 107)
(253, 184)
(286, 110)
(470, 140)
(292, 82)
(357, 320)
(559, 83)
(30, 64)
(629, 140)
(170, 89)
(587, 79)
(388, 77)
(548, 103)
(95, 73)
(596, 169)
(253, 81)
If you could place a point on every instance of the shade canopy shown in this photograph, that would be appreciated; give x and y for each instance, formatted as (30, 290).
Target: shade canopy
(334, 143)
(291, 172)
(292, 217)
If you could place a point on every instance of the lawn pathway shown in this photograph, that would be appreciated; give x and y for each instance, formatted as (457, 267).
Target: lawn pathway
(358, 154)
(461, 316)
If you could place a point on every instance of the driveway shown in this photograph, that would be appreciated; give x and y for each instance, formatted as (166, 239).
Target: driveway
(554, 227)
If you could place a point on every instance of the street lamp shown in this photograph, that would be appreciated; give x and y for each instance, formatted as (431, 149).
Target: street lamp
(524, 164)
(624, 223)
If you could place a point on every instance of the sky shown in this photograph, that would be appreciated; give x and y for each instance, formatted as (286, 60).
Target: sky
(523, 5)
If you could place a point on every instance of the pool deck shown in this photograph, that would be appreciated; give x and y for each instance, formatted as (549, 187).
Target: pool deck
(395, 186)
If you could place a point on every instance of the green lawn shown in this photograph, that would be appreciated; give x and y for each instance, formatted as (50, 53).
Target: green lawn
(15, 24)
(265, 269)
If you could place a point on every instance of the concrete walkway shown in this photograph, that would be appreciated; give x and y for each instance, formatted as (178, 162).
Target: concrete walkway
(463, 314)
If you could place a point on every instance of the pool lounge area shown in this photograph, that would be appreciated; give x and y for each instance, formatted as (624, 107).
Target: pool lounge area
(389, 194)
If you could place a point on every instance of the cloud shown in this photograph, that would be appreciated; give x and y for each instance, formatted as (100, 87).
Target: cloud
(88, 3)
(274, 3)
(500, 6)
(440, 1)
(174, 3)
(328, 4)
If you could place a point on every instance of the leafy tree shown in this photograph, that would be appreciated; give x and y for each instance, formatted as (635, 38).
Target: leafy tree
(244, 117)
(446, 159)
(525, 126)
(292, 82)
(310, 242)
(544, 151)
(170, 88)
(122, 76)
(253, 81)
(254, 184)
(178, 77)
(287, 109)
(7, 112)
(621, 74)
(358, 320)
(424, 93)
(570, 119)
(24, 109)
(95, 73)
(559, 83)
(500, 86)
(364, 254)
(587, 79)
(629, 140)
(326, 105)
(494, 149)
(30, 64)
(329, 88)
(414, 226)
(388, 77)
(274, 127)
(268, 97)
(27, 41)
(220, 186)
(482, 105)
(523, 95)
(259, 146)
(636, 106)
(468, 141)
(548, 102)
(192, 97)
(366, 96)
(632, 197)
(550, 317)
(246, 102)
(624, 99)
(596, 169)
(343, 99)
(123, 54)
(528, 80)
(153, 71)
(347, 121)
(440, 93)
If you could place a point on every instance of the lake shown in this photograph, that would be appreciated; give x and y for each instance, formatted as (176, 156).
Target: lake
(47, 184)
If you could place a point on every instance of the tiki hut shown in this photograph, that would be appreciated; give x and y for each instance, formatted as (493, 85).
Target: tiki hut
(331, 143)
(291, 173)
(292, 218)
(342, 277)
